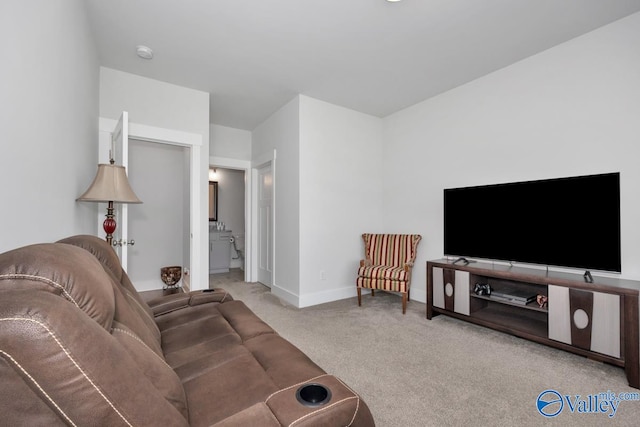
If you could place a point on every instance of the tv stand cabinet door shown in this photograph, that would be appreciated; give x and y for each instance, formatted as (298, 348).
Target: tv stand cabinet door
(585, 319)
(451, 290)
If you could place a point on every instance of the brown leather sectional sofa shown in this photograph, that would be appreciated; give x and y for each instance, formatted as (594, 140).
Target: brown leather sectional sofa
(79, 346)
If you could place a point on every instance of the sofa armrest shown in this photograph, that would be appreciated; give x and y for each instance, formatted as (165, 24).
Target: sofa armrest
(283, 408)
(173, 302)
(341, 406)
(209, 295)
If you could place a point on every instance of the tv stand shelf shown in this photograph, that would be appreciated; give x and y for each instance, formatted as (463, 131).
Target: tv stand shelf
(530, 306)
(501, 315)
(598, 320)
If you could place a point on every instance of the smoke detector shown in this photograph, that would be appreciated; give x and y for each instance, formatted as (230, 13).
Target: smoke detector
(144, 52)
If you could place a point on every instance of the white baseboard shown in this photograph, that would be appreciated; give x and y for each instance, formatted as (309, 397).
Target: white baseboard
(331, 295)
(315, 298)
(285, 295)
(322, 297)
(418, 294)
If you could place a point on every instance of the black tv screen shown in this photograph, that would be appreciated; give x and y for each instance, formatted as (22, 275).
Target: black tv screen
(566, 222)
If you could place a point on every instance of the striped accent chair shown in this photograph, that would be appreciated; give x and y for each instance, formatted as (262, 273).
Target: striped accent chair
(387, 265)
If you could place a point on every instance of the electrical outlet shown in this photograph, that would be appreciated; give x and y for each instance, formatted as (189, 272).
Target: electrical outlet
(323, 275)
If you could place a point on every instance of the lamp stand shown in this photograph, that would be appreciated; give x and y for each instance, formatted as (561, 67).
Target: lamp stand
(109, 224)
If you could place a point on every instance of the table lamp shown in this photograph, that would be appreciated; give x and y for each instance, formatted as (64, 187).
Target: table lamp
(110, 186)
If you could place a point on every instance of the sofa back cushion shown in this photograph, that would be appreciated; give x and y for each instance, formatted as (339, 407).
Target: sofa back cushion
(393, 250)
(62, 342)
(66, 271)
(103, 252)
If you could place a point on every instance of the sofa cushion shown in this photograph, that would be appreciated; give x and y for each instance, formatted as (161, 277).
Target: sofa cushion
(166, 304)
(384, 272)
(382, 284)
(230, 387)
(282, 361)
(134, 320)
(109, 260)
(131, 310)
(153, 367)
(246, 324)
(74, 365)
(178, 340)
(54, 268)
(108, 257)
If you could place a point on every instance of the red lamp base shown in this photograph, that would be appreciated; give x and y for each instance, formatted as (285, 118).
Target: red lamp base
(109, 224)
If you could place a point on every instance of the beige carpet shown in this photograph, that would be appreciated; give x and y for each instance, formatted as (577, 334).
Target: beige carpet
(441, 372)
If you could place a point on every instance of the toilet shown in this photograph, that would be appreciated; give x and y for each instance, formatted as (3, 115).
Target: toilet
(237, 249)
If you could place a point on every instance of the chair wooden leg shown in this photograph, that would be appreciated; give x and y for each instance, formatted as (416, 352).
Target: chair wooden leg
(408, 295)
(372, 292)
(404, 302)
(359, 296)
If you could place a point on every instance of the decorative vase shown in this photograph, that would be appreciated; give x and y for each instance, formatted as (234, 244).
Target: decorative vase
(171, 275)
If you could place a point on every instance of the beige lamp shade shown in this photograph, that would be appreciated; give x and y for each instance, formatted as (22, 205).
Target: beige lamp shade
(110, 185)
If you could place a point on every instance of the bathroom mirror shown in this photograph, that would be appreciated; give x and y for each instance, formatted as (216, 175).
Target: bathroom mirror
(213, 200)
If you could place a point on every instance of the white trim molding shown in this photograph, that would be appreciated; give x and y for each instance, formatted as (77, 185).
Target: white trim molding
(198, 255)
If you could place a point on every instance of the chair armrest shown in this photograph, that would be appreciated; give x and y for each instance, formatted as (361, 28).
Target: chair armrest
(408, 266)
(365, 263)
(173, 302)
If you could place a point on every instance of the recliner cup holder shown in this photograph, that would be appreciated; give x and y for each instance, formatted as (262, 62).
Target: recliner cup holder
(313, 394)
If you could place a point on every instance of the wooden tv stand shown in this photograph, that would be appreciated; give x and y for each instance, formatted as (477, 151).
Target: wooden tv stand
(598, 320)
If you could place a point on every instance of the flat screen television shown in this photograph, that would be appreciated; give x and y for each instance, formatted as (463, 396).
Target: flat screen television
(565, 222)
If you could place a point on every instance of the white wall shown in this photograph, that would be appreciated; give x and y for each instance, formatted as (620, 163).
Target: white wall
(342, 173)
(282, 132)
(48, 120)
(157, 175)
(154, 103)
(229, 142)
(571, 110)
(329, 180)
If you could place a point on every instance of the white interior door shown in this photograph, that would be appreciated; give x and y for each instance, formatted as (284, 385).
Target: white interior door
(265, 225)
(120, 153)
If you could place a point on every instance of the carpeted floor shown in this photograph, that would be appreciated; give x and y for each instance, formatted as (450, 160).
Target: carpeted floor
(441, 372)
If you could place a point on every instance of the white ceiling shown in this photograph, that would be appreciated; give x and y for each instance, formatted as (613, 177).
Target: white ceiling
(373, 56)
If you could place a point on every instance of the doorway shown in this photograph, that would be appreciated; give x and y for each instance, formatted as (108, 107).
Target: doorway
(195, 246)
(230, 211)
(251, 186)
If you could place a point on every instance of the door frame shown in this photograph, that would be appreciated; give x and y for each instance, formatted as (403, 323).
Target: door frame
(243, 165)
(199, 275)
(251, 208)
